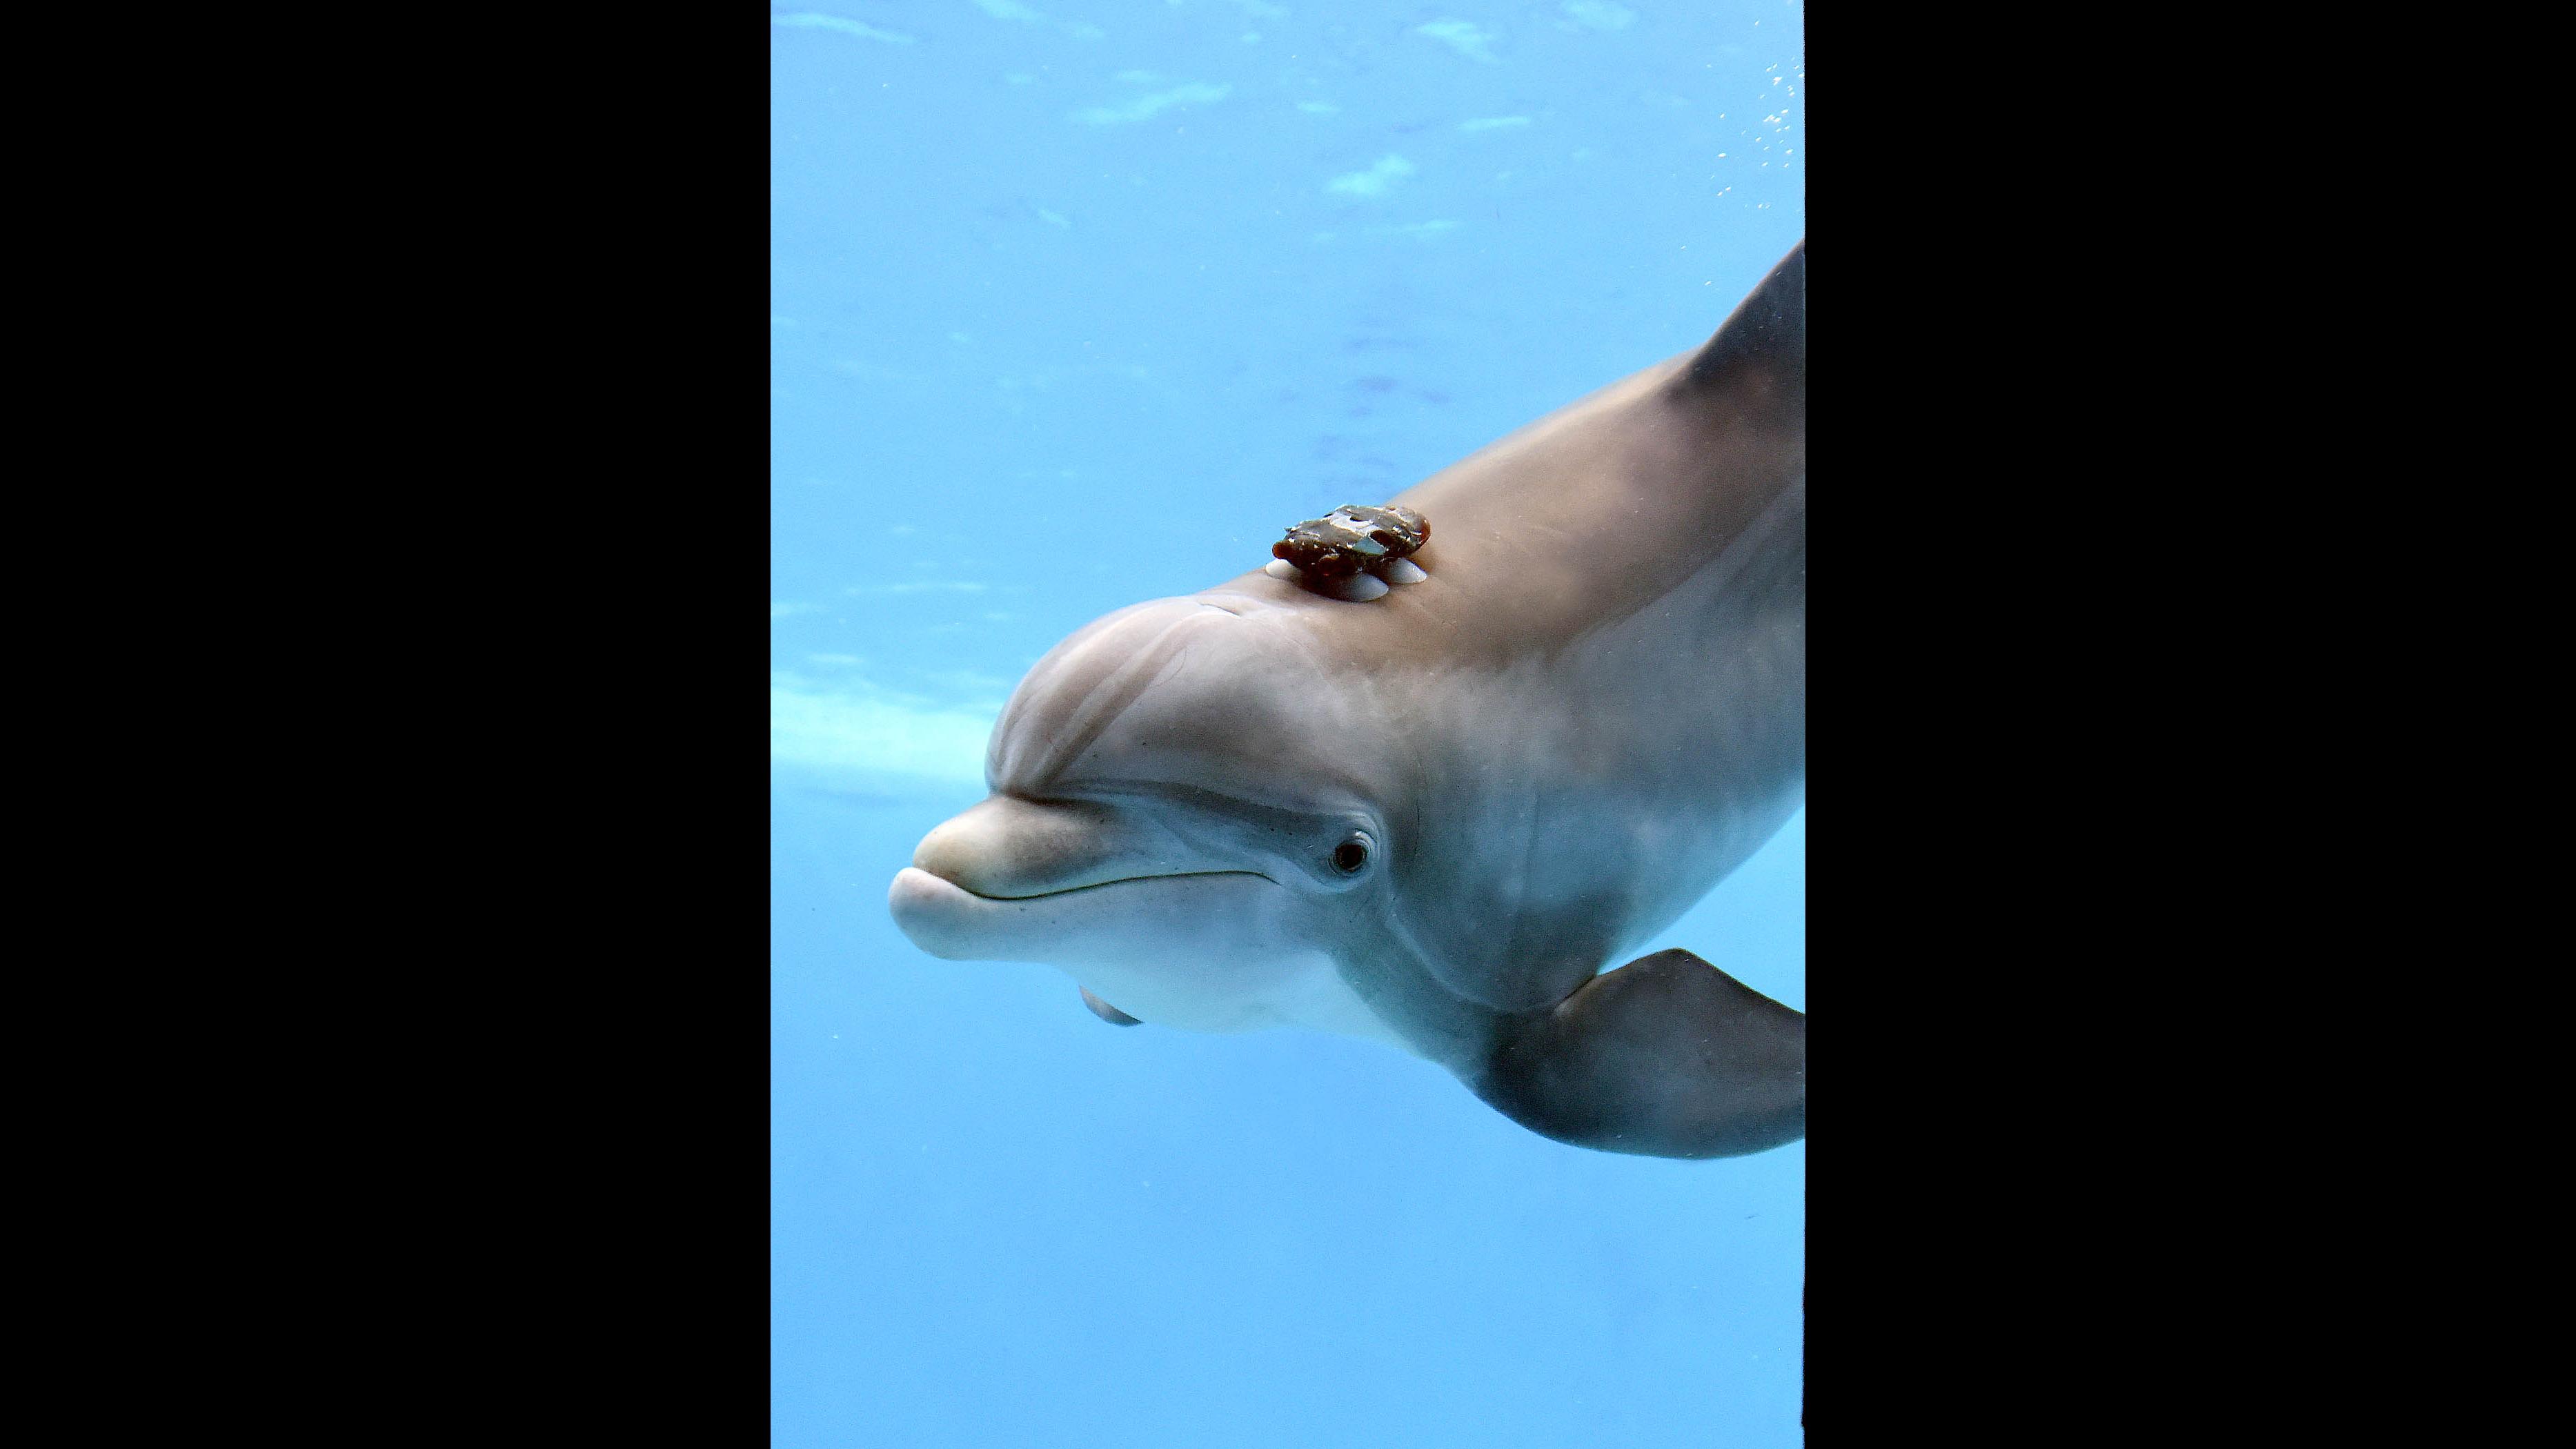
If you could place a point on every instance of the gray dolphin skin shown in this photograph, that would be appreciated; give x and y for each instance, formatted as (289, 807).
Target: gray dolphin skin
(1432, 818)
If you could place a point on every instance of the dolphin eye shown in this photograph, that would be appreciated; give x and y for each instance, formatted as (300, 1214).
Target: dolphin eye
(1352, 855)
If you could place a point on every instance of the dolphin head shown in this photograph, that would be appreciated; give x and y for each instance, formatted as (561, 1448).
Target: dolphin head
(1184, 816)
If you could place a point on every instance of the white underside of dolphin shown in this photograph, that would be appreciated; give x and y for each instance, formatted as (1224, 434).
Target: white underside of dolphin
(1431, 815)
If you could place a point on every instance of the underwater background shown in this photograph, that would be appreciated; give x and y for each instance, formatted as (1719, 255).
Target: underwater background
(1079, 303)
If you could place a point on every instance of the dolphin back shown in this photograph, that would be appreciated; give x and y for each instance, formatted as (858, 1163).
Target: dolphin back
(1610, 505)
(1759, 354)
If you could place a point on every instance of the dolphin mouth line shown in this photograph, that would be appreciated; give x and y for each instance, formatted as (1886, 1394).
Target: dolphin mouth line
(1098, 885)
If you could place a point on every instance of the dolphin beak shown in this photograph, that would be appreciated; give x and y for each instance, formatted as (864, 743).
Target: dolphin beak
(937, 915)
(1008, 848)
(1007, 881)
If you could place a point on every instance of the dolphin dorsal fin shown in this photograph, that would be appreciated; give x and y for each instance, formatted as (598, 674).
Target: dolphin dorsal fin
(1762, 345)
(1107, 1012)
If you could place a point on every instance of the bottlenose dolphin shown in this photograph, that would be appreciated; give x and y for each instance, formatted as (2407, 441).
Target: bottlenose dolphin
(1429, 818)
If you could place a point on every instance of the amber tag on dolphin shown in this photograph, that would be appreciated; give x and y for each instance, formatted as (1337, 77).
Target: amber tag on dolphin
(1351, 539)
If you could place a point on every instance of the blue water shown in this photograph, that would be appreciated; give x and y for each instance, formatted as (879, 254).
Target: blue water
(1080, 304)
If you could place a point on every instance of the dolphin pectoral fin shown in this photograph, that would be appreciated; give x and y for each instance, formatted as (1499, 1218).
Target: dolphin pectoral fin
(1666, 1056)
(1107, 1012)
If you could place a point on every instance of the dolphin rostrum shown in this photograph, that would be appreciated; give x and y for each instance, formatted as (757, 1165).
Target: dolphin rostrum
(1430, 816)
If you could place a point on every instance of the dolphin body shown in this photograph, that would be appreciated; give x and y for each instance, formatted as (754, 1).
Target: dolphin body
(1430, 819)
